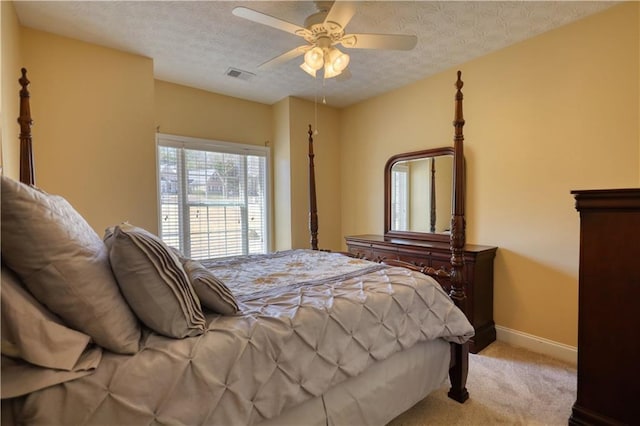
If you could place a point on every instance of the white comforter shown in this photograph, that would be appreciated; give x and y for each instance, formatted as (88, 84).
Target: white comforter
(280, 351)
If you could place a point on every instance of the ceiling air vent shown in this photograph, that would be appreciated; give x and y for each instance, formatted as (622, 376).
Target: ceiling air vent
(242, 75)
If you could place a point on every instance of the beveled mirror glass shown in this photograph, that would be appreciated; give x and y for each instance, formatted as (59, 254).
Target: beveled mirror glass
(418, 194)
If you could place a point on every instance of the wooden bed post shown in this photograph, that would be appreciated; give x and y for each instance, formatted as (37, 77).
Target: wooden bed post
(313, 208)
(460, 353)
(457, 219)
(432, 199)
(26, 152)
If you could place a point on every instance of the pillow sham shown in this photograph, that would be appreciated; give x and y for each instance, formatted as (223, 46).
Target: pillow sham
(212, 292)
(65, 265)
(154, 283)
(33, 333)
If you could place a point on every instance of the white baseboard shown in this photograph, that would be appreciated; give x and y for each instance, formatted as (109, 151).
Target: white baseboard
(538, 344)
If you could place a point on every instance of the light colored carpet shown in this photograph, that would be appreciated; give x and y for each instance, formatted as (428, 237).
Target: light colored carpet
(507, 385)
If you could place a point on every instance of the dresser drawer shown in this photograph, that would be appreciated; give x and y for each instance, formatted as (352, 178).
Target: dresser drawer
(415, 260)
(362, 252)
(440, 263)
(415, 256)
(361, 249)
(381, 254)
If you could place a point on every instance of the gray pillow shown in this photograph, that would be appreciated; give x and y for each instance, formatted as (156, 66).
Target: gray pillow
(154, 283)
(212, 292)
(34, 334)
(65, 265)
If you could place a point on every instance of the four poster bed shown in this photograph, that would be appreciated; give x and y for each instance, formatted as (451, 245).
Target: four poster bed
(127, 331)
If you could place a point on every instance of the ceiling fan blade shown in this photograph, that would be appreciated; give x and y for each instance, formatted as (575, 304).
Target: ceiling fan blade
(268, 20)
(340, 13)
(285, 57)
(379, 41)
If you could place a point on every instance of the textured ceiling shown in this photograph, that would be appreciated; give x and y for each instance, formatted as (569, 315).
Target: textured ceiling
(194, 43)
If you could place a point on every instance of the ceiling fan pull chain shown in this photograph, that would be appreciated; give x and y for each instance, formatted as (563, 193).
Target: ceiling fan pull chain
(315, 111)
(324, 99)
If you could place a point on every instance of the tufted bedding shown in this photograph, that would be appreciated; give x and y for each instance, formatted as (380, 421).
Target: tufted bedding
(302, 330)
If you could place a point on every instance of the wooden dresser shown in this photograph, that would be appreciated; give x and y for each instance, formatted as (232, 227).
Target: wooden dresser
(478, 273)
(608, 305)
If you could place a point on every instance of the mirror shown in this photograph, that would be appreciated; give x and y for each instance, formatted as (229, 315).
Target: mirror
(418, 194)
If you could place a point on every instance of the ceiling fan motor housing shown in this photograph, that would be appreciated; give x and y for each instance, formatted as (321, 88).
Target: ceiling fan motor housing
(319, 29)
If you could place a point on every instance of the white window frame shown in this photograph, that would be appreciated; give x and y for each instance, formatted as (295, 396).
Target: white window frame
(400, 201)
(187, 142)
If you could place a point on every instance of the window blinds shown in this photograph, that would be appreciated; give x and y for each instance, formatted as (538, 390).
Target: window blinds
(213, 197)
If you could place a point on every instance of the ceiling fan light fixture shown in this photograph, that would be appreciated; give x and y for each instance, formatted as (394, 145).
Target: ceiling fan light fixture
(314, 58)
(330, 71)
(308, 69)
(338, 60)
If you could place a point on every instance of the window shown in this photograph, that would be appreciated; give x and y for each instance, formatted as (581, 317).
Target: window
(213, 197)
(399, 198)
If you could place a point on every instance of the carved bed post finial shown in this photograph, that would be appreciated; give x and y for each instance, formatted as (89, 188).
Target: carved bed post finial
(313, 209)
(457, 219)
(26, 151)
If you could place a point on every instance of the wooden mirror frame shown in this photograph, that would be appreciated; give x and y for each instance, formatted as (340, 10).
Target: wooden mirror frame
(412, 235)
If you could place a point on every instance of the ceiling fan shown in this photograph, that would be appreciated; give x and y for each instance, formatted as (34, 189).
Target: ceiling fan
(322, 31)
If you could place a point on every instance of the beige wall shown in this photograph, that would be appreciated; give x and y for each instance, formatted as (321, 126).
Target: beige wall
(282, 175)
(93, 128)
(11, 62)
(402, 121)
(292, 117)
(545, 116)
(181, 110)
(186, 111)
